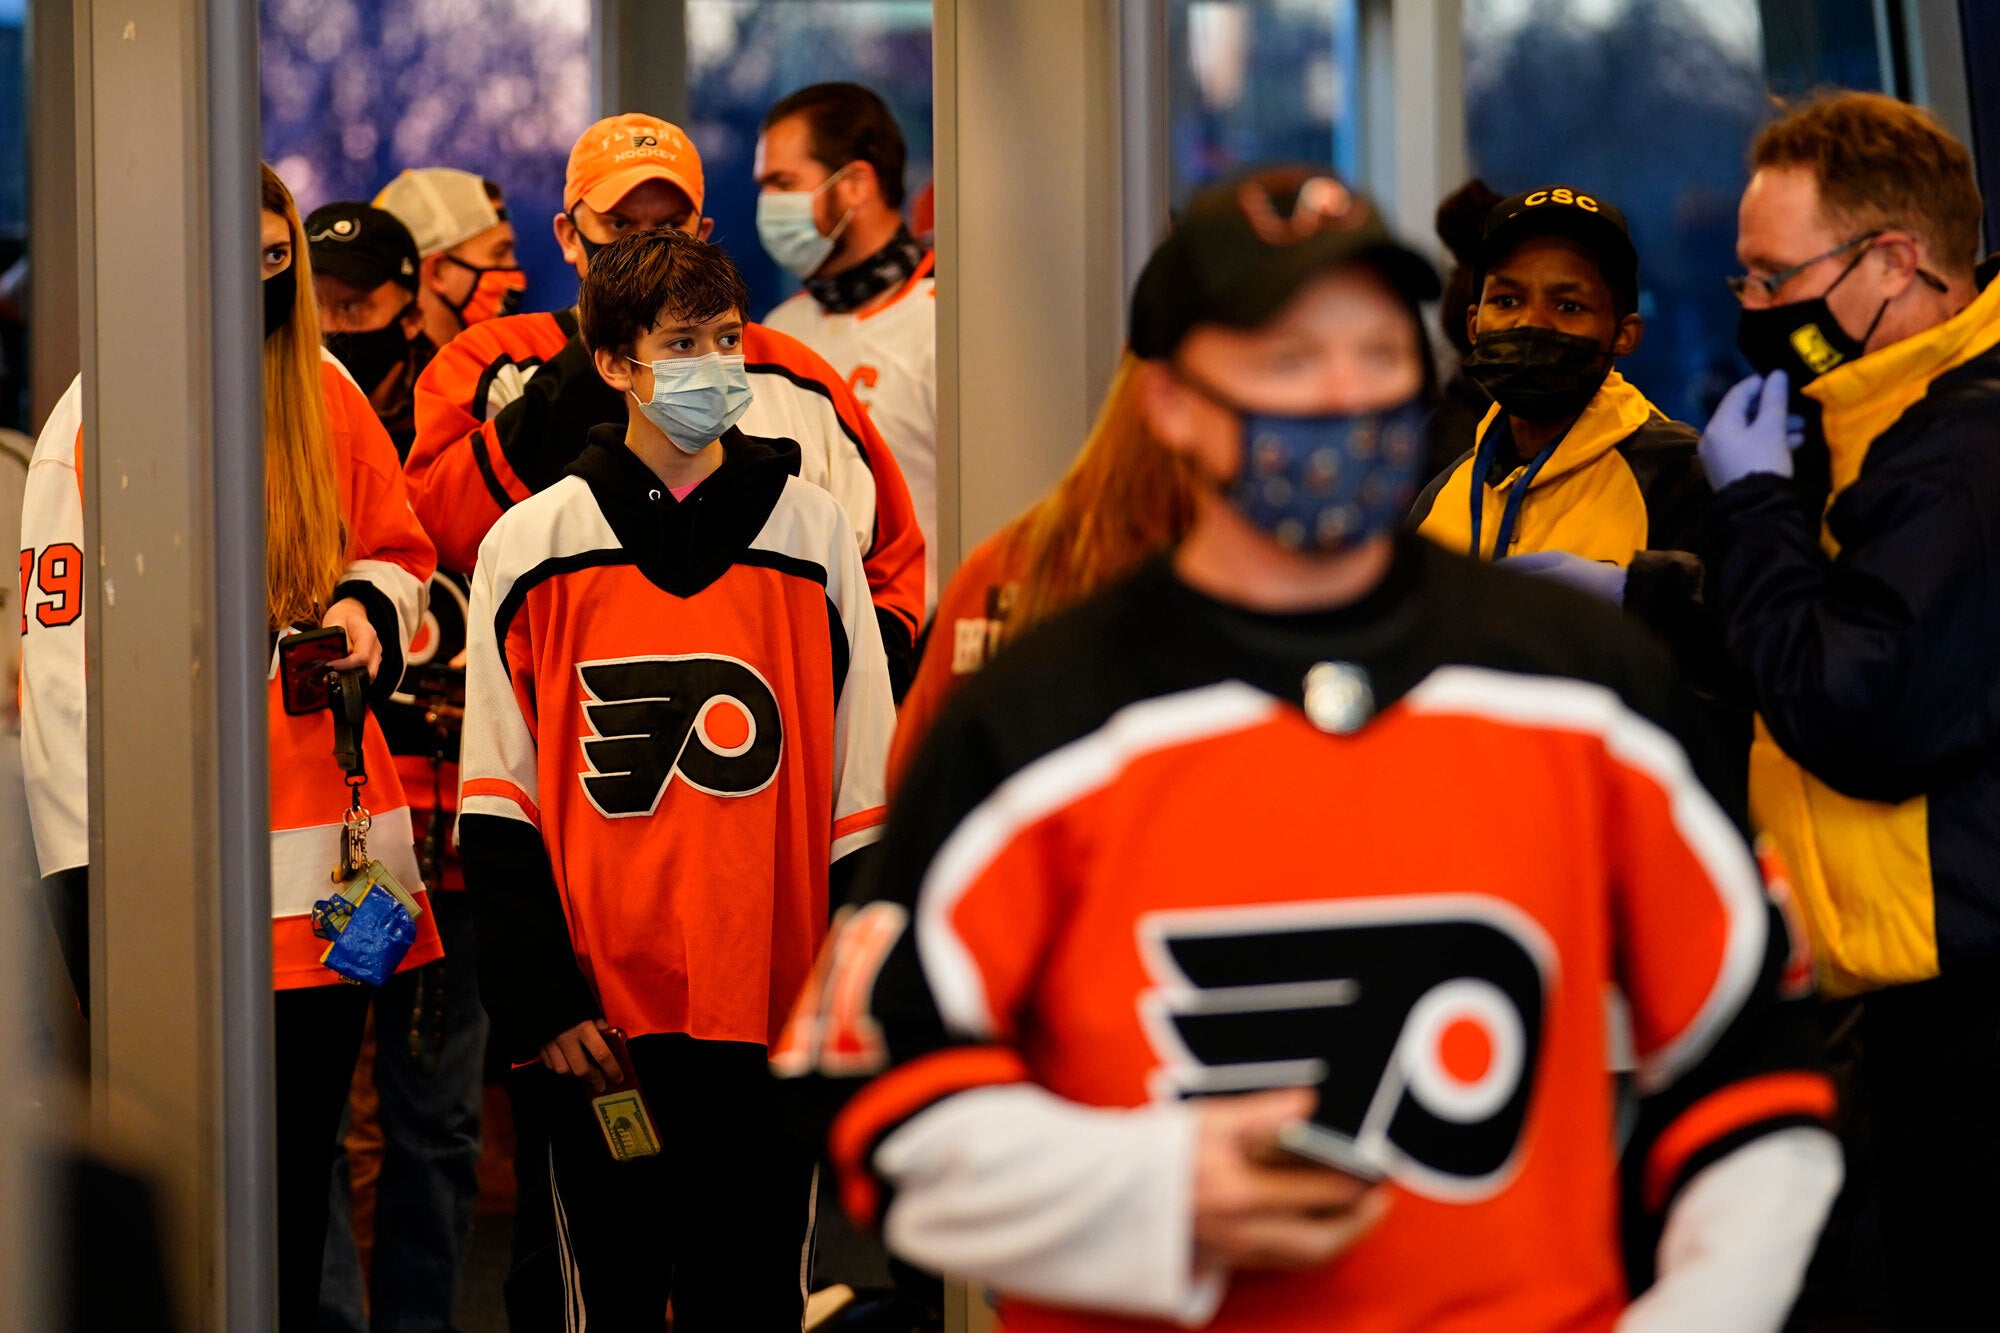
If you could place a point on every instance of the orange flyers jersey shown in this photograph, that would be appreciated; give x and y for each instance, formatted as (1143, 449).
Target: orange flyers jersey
(965, 631)
(389, 561)
(486, 441)
(888, 352)
(677, 714)
(1401, 851)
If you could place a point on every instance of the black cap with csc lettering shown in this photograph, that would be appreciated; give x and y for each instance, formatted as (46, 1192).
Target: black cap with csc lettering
(1242, 249)
(1561, 210)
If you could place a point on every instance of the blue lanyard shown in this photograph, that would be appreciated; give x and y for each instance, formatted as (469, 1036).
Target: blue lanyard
(1510, 515)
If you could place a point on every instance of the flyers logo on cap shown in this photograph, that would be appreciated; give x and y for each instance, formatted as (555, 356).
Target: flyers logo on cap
(340, 229)
(1419, 1019)
(637, 143)
(1322, 204)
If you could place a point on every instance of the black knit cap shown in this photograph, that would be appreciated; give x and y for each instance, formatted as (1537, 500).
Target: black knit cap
(363, 246)
(1242, 249)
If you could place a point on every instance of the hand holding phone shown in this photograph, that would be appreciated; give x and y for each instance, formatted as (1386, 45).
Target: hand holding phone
(1259, 1206)
(584, 1053)
(622, 1114)
(304, 661)
(364, 647)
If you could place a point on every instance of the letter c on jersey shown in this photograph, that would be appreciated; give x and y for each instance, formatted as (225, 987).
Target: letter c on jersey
(1419, 1019)
(711, 722)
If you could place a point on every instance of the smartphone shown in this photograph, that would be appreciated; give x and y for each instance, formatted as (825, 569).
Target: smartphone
(622, 1114)
(1321, 1146)
(302, 660)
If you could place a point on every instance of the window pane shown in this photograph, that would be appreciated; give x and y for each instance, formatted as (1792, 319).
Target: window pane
(1256, 81)
(13, 215)
(1652, 104)
(1812, 44)
(357, 90)
(743, 55)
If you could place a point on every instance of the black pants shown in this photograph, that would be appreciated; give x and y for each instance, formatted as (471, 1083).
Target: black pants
(534, 1288)
(318, 1040)
(720, 1220)
(1930, 1068)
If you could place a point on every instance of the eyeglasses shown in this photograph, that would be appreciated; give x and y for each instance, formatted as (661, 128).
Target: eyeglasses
(1742, 283)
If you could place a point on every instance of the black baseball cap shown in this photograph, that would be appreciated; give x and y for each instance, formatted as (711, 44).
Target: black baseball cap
(1565, 211)
(1242, 249)
(360, 245)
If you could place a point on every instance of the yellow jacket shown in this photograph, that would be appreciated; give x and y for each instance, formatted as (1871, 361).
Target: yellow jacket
(1869, 634)
(1623, 479)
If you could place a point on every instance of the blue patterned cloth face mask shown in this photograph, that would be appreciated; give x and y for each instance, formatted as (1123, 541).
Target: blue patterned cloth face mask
(1320, 484)
(696, 398)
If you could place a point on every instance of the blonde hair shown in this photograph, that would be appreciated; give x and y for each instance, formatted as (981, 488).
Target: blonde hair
(1124, 498)
(305, 535)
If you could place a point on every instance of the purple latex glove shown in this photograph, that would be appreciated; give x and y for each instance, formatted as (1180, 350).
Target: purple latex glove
(1601, 580)
(1751, 432)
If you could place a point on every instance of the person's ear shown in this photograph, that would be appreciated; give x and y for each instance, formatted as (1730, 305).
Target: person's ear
(1163, 400)
(1472, 322)
(707, 227)
(570, 243)
(430, 272)
(1631, 332)
(412, 321)
(613, 368)
(1899, 262)
(859, 185)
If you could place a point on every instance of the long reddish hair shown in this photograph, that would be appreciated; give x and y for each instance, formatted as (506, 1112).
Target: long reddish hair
(1124, 498)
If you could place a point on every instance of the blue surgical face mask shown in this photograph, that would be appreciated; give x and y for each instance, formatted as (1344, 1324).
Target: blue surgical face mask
(785, 225)
(696, 398)
(1321, 484)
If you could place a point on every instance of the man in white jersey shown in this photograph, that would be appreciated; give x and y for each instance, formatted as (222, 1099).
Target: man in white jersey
(830, 167)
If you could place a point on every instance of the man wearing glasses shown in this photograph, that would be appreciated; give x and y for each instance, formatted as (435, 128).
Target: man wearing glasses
(1862, 609)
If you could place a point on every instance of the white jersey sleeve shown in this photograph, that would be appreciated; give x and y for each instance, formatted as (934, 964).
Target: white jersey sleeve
(805, 526)
(54, 747)
(781, 408)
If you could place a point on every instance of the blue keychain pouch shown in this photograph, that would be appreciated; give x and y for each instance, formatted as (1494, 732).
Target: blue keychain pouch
(371, 920)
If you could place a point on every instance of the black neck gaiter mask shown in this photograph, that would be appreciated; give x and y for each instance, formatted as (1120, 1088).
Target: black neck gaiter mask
(890, 267)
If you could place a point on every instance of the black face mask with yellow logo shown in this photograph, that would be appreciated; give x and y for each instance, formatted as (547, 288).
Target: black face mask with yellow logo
(1801, 338)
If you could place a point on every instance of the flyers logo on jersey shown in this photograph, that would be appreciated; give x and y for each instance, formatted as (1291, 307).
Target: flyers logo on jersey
(711, 722)
(1419, 1019)
(440, 636)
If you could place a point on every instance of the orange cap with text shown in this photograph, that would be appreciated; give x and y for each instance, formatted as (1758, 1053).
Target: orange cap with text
(621, 152)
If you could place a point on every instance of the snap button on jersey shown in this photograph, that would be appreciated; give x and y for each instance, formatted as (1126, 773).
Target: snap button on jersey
(1339, 699)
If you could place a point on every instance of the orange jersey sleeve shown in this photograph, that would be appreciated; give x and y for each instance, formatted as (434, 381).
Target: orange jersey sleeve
(459, 474)
(965, 631)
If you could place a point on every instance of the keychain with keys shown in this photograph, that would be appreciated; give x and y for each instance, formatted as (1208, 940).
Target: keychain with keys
(371, 919)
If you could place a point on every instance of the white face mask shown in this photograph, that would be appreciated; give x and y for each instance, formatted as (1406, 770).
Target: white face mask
(785, 225)
(696, 398)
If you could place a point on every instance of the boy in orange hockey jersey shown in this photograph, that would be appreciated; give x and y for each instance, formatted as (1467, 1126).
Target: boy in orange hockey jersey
(505, 406)
(677, 712)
